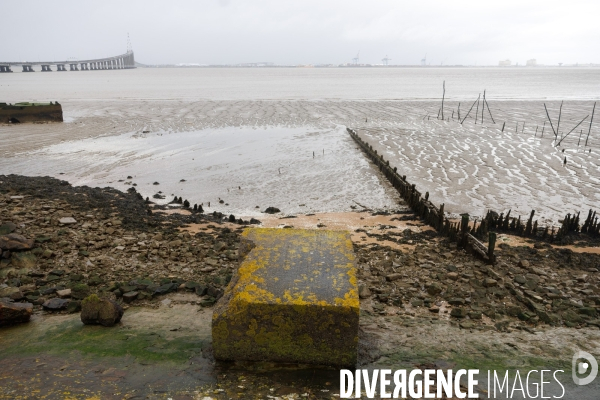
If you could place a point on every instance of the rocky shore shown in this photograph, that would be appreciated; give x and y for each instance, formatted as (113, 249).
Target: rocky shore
(62, 243)
(424, 301)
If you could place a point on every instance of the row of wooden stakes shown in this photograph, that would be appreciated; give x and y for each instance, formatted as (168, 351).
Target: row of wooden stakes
(570, 224)
(465, 234)
(426, 210)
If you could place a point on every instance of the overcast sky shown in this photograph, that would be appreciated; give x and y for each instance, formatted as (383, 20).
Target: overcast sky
(304, 31)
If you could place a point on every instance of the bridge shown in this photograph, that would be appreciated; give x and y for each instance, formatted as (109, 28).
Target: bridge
(123, 61)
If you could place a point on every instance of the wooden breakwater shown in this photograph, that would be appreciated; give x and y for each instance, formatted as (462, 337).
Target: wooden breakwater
(468, 235)
(569, 225)
(30, 112)
(434, 216)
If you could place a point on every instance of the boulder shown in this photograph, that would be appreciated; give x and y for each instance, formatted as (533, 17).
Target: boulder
(97, 311)
(7, 228)
(488, 282)
(130, 296)
(457, 301)
(458, 312)
(80, 291)
(9, 291)
(272, 210)
(14, 241)
(363, 291)
(14, 313)
(524, 264)
(63, 294)
(434, 289)
(55, 304)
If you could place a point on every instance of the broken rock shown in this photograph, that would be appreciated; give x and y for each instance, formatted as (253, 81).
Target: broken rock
(14, 313)
(14, 241)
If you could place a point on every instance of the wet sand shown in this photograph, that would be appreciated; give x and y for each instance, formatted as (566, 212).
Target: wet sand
(470, 168)
(474, 167)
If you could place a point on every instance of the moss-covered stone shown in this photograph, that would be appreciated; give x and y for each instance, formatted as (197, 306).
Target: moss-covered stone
(97, 311)
(79, 291)
(294, 298)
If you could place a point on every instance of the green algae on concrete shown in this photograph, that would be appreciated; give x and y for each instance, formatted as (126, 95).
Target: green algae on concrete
(294, 298)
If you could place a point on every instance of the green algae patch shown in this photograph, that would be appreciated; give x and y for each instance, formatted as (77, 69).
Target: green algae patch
(294, 298)
(71, 337)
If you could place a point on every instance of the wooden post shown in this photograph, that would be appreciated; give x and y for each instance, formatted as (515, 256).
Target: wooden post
(559, 115)
(464, 228)
(477, 110)
(544, 127)
(491, 246)
(564, 137)
(483, 107)
(589, 130)
(476, 101)
(503, 125)
(529, 226)
(443, 96)
(459, 111)
(488, 108)
(548, 115)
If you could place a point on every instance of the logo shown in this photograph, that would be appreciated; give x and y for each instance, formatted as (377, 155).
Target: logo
(584, 363)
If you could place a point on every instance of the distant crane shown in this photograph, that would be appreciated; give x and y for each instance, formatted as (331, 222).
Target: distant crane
(385, 60)
(355, 59)
(424, 60)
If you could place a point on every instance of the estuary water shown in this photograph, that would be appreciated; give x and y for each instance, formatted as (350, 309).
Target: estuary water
(303, 83)
(247, 136)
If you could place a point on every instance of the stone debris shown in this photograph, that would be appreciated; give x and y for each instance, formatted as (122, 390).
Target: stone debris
(120, 252)
(55, 304)
(526, 287)
(121, 249)
(63, 294)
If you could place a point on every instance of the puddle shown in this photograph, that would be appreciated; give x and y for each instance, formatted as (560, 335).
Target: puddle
(300, 169)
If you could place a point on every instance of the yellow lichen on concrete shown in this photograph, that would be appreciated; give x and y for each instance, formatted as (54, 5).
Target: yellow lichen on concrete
(294, 298)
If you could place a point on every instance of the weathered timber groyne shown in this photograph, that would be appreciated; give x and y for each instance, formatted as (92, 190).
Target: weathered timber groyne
(30, 112)
(425, 209)
(469, 235)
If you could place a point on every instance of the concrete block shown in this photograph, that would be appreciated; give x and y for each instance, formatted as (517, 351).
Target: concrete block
(294, 298)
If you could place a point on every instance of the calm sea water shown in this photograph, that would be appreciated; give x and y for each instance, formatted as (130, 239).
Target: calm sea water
(207, 127)
(303, 83)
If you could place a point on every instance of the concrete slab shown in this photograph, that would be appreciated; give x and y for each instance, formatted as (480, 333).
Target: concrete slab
(294, 298)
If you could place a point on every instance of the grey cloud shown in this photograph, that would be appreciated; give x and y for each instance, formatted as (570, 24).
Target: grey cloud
(308, 31)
